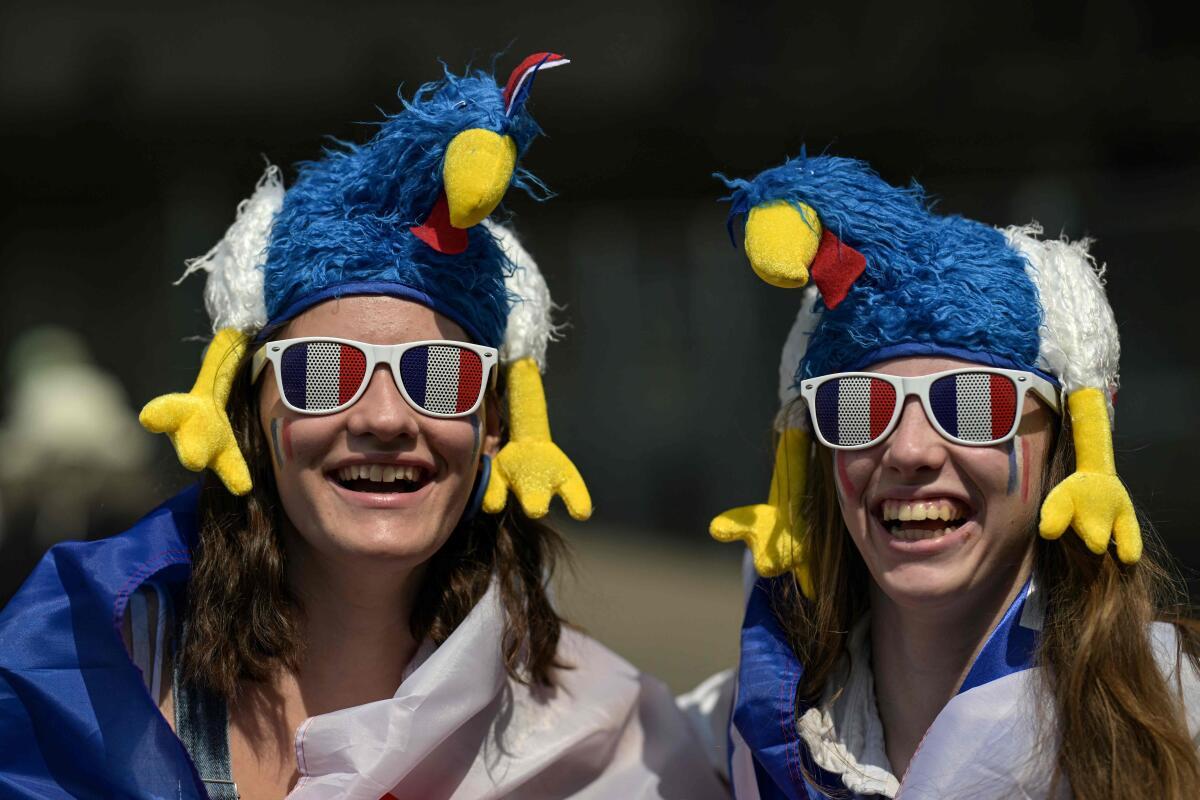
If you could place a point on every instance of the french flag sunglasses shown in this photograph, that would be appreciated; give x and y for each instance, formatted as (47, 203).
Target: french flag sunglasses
(975, 406)
(323, 375)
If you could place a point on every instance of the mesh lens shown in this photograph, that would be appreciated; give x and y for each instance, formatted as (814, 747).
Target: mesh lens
(321, 376)
(442, 379)
(976, 407)
(854, 410)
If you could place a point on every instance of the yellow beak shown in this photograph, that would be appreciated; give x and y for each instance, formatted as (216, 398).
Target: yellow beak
(782, 241)
(478, 167)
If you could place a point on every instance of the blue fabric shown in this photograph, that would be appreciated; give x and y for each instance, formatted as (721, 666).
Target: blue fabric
(1010, 648)
(932, 280)
(765, 714)
(76, 720)
(346, 220)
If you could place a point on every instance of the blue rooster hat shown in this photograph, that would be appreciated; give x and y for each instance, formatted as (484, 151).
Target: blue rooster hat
(405, 215)
(898, 279)
(886, 277)
(398, 215)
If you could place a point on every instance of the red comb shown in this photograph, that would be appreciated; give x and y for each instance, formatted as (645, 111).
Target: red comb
(517, 88)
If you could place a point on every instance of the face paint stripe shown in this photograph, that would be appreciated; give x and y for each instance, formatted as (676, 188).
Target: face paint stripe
(275, 427)
(286, 436)
(1013, 446)
(843, 475)
(475, 430)
(1025, 456)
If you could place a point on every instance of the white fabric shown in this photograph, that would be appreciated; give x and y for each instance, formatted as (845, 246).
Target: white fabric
(459, 728)
(530, 324)
(1078, 340)
(986, 744)
(844, 734)
(707, 708)
(233, 293)
(792, 412)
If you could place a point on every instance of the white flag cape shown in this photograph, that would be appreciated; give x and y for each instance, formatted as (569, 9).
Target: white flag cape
(458, 727)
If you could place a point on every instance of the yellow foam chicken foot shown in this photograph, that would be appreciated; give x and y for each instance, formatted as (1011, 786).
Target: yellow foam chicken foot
(532, 465)
(775, 531)
(1093, 501)
(196, 422)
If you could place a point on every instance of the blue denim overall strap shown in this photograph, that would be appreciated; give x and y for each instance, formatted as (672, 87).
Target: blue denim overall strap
(201, 723)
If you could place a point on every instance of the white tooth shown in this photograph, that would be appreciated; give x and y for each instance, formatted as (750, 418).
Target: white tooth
(889, 510)
(410, 474)
(343, 473)
(364, 472)
(904, 513)
(376, 473)
(389, 474)
(918, 512)
(943, 512)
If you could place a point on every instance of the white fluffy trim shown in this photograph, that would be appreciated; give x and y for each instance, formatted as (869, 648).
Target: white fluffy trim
(791, 408)
(1079, 342)
(233, 294)
(530, 326)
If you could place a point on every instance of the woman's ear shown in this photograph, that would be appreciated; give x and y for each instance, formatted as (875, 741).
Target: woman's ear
(491, 424)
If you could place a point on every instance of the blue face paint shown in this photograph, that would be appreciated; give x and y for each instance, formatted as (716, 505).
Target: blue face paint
(277, 448)
(476, 430)
(1013, 461)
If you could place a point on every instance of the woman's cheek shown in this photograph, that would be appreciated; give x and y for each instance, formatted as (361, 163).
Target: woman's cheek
(849, 486)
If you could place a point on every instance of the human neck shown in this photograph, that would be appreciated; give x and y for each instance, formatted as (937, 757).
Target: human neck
(356, 627)
(357, 645)
(920, 656)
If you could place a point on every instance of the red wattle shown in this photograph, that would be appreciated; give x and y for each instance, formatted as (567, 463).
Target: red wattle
(438, 233)
(835, 268)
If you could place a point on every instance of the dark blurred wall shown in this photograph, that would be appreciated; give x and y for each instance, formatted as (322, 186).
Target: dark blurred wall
(129, 135)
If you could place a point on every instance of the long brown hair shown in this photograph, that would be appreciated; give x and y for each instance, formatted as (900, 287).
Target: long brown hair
(1118, 722)
(245, 623)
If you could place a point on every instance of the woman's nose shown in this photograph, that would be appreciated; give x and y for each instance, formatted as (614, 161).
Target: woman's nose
(914, 445)
(382, 411)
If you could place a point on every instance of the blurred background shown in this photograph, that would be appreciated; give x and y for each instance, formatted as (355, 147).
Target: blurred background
(130, 133)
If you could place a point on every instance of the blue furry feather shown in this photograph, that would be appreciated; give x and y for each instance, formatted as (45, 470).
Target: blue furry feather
(346, 219)
(932, 283)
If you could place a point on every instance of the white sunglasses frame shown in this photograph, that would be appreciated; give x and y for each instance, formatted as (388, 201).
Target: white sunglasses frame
(375, 354)
(919, 386)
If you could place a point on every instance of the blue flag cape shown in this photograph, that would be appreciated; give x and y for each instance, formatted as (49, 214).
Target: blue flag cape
(76, 720)
(764, 713)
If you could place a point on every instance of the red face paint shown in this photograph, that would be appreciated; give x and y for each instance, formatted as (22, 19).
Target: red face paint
(847, 485)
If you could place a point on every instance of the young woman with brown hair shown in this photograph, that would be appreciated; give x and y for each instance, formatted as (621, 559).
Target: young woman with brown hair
(912, 635)
(350, 608)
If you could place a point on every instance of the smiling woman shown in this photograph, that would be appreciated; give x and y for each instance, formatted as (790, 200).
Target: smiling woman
(348, 606)
(918, 622)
